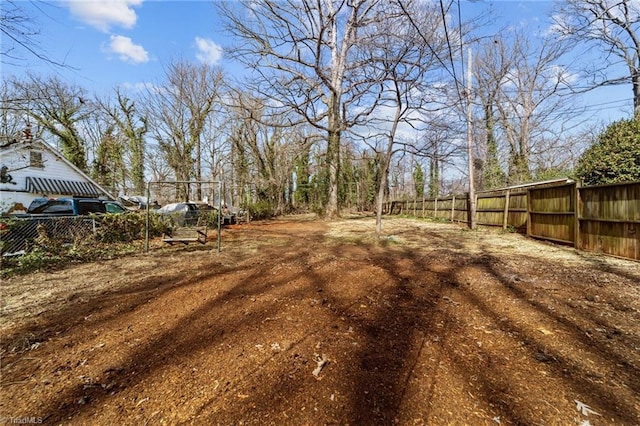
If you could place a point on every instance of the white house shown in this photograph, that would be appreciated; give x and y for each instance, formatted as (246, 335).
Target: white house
(31, 169)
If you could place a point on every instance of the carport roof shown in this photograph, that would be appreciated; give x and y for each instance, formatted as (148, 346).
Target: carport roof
(63, 187)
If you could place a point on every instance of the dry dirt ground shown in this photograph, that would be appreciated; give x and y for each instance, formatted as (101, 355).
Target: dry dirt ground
(305, 322)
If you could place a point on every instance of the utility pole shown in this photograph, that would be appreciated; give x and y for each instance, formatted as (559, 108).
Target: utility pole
(472, 190)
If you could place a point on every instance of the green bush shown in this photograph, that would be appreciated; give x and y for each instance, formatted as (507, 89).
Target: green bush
(6, 224)
(614, 157)
(209, 218)
(116, 234)
(128, 227)
(260, 210)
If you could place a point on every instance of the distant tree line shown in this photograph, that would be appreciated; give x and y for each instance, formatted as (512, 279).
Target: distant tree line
(344, 104)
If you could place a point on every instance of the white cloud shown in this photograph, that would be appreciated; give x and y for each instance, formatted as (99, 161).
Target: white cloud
(560, 74)
(102, 14)
(128, 51)
(208, 51)
(139, 87)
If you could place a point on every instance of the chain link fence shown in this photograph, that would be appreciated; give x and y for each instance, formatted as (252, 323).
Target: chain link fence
(18, 234)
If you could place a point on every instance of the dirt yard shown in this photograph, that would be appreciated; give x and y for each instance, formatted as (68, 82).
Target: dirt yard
(305, 322)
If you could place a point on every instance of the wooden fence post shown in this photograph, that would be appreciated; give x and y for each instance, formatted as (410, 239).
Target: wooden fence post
(453, 207)
(576, 216)
(475, 210)
(468, 210)
(528, 212)
(505, 218)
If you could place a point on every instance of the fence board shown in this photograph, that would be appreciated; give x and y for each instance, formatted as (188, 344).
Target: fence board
(617, 239)
(460, 209)
(552, 213)
(609, 219)
(502, 208)
(602, 218)
(490, 209)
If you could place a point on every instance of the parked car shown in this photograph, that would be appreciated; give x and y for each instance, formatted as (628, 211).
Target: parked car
(114, 207)
(137, 202)
(63, 219)
(73, 206)
(182, 214)
(228, 215)
(188, 213)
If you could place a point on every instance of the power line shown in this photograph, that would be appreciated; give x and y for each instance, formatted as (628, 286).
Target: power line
(431, 49)
(460, 37)
(446, 34)
(580, 113)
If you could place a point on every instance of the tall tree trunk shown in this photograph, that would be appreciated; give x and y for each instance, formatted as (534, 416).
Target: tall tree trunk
(333, 163)
(199, 166)
(386, 161)
(333, 156)
(635, 80)
(434, 176)
(492, 176)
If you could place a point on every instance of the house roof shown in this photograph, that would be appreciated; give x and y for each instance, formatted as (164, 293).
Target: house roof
(90, 188)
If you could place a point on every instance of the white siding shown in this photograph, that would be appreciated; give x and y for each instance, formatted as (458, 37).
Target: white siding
(17, 160)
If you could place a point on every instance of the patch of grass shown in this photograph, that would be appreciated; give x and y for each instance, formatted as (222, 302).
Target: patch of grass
(419, 218)
(352, 239)
(42, 258)
(388, 241)
(510, 229)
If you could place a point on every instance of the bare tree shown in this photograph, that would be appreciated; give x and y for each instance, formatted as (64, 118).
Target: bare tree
(156, 164)
(307, 57)
(613, 26)
(528, 89)
(108, 167)
(177, 112)
(266, 155)
(12, 120)
(216, 149)
(438, 143)
(20, 31)
(59, 108)
(406, 93)
(493, 64)
(131, 125)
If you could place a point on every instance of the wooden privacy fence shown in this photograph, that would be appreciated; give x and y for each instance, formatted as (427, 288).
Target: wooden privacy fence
(604, 218)
(609, 219)
(454, 208)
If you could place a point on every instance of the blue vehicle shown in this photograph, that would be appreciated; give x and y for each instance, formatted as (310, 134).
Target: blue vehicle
(73, 206)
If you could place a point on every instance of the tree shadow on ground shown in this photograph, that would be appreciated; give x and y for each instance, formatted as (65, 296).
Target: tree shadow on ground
(407, 315)
(192, 333)
(386, 360)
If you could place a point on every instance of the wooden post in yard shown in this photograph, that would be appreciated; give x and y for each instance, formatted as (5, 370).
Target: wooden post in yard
(471, 198)
(453, 206)
(505, 218)
(576, 216)
(528, 212)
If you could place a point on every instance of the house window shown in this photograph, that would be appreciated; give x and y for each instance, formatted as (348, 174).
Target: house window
(35, 159)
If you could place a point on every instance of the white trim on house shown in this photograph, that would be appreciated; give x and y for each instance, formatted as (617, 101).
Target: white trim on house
(35, 169)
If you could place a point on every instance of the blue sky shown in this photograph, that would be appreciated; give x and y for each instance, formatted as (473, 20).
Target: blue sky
(127, 42)
(121, 42)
